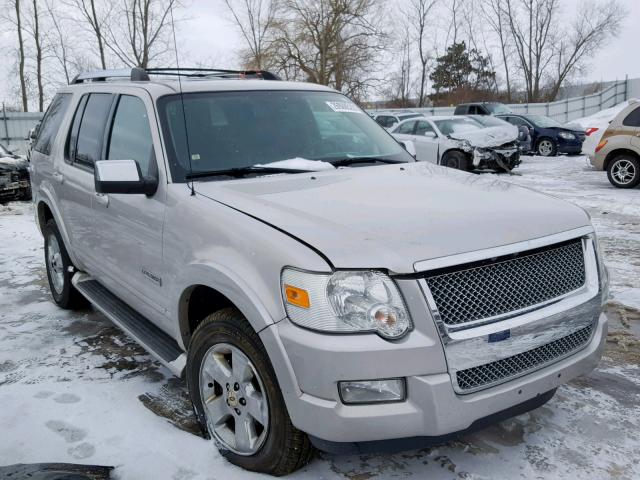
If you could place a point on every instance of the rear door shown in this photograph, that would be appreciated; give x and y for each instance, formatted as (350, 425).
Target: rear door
(129, 226)
(73, 173)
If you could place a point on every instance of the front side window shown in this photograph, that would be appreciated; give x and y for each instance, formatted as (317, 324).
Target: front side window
(231, 129)
(406, 128)
(633, 119)
(130, 137)
(423, 127)
(91, 131)
(51, 123)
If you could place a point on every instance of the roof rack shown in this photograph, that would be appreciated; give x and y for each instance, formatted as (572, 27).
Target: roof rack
(137, 74)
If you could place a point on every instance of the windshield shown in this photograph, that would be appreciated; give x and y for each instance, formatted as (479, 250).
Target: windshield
(542, 121)
(497, 108)
(489, 121)
(457, 125)
(240, 129)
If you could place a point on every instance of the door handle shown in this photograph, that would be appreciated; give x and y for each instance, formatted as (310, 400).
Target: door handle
(102, 199)
(58, 177)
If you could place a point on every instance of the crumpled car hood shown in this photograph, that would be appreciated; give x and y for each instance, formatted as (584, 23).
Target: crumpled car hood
(13, 164)
(488, 137)
(392, 216)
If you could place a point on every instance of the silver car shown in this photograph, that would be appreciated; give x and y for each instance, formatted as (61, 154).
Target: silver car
(316, 286)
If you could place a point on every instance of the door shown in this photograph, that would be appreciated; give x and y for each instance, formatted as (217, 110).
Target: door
(426, 142)
(73, 173)
(129, 226)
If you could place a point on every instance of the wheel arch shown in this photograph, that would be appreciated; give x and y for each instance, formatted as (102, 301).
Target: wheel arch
(452, 150)
(617, 152)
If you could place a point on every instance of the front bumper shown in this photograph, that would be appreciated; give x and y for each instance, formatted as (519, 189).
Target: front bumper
(569, 146)
(310, 364)
(432, 409)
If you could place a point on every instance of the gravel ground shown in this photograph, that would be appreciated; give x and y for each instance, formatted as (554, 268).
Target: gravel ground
(75, 389)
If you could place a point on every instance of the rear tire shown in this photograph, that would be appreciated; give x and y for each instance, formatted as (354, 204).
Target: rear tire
(275, 446)
(457, 160)
(624, 171)
(60, 270)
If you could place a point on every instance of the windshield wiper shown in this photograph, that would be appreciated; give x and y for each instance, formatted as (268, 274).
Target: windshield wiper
(342, 162)
(243, 172)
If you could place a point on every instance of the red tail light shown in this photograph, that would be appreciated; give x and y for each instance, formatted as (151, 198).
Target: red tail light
(590, 130)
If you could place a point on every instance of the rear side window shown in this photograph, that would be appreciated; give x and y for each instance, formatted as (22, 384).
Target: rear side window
(460, 110)
(91, 133)
(386, 121)
(51, 123)
(633, 119)
(130, 137)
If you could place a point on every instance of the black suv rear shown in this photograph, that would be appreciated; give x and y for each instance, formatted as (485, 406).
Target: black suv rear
(482, 108)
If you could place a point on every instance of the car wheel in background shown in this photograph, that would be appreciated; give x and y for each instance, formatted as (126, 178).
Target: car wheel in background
(624, 171)
(60, 270)
(237, 398)
(456, 159)
(546, 147)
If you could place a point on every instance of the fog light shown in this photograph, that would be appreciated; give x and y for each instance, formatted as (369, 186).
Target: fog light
(372, 391)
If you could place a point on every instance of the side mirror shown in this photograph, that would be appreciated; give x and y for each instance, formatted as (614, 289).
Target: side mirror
(430, 134)
(122, 176)
(409, 146)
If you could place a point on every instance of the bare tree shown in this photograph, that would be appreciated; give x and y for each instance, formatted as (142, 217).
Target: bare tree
(36, 34)
(144, 33)
(417, 18)
(596, 23)
(95, 20)
(332, 42)
(493, 12)
(16, 21)
(256, 21)
(547, 53)
(59, 43)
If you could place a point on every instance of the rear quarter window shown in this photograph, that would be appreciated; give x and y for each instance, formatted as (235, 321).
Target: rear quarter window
(632, 119)
(51, 123)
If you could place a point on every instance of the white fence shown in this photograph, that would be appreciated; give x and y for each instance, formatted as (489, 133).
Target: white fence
(14, 129)
(567, 110)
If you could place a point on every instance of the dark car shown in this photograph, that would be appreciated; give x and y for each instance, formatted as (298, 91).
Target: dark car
(482, 108)
(548, 136)
(14, 176)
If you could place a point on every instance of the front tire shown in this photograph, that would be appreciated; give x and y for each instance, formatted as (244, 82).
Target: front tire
(547, 148)
(457, 160)
(60, 270)
(624, 171)
(237, 399)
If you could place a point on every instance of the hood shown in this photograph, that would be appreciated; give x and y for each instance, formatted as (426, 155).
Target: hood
(391, 216)
(488, 137)
(13, 164)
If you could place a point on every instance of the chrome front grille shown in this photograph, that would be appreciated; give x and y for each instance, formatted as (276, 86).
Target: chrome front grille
(499, 371)
(495, 288)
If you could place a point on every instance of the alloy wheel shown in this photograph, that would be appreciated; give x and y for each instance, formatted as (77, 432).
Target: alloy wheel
(623, 171)
(55, 263)
(234, 399)
(545, 148)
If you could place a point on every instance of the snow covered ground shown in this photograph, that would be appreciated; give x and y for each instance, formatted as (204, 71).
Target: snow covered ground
(73, 388)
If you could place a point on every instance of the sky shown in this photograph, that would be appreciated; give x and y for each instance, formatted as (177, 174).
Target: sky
(207, 35)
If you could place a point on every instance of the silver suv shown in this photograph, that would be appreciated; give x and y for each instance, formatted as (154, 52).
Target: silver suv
(314, 284)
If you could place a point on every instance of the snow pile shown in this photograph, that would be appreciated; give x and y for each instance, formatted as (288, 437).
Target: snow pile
(299, 164)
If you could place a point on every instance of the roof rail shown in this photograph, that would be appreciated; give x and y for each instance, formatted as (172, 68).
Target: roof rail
(137, 74)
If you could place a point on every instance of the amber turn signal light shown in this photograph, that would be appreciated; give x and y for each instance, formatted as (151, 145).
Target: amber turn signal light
(297, 296)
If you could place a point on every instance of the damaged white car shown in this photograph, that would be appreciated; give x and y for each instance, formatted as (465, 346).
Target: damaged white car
(461, 142)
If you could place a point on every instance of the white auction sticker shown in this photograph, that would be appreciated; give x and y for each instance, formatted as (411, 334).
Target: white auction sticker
(346, 107)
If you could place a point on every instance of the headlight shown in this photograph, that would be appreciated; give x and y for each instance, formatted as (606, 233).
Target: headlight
(567, 135)
(465, 145)
(345, 302)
